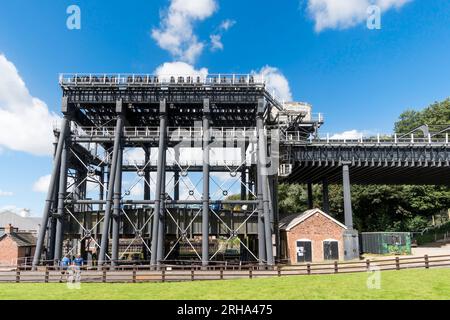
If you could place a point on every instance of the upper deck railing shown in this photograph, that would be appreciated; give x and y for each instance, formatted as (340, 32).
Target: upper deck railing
(126, 80)
(395, 139)
(289, 137)
(148, 79)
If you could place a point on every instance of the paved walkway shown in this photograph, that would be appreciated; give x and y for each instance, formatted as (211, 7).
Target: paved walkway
(432, 249)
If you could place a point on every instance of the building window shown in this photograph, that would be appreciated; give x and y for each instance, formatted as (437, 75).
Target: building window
(331, 250)
(304, 250)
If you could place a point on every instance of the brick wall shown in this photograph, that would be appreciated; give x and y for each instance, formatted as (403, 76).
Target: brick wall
(8, 251)
(316, 228)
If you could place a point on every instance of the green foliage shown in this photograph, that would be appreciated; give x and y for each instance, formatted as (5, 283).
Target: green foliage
(436, 114)
(416, 223)
(433, 234)
(292, 198)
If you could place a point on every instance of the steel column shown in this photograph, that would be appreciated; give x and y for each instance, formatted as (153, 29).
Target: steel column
(51, 238)
(159, 181)
(260, 207)
(147, 189)
(347, 197)
(176, 176)
(51, 228)
(51, 188)
(205, 195)
(59, 236)
(147, 173)
(263, 160)
(276, 218)
(112, 177)
(101, 192)
(162, 215)
(244, 171)
(117, 209)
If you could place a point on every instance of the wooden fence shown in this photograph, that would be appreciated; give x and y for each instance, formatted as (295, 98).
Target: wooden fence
(167, 273)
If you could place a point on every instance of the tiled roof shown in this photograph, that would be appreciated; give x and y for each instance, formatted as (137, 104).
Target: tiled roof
(22, 239)
(291, 221)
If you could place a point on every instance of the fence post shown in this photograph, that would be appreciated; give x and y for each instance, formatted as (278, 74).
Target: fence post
(279, 271)
(103, 274)
(18, 275)
(46, 275)
(192, 274)
(336, 267)
(250, 272)
(308, 268)
(397, 263)
(427, 262)
(134, 274)
(221, 273)
(368, 264)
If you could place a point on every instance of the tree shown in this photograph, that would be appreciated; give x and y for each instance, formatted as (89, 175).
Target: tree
(434, 115)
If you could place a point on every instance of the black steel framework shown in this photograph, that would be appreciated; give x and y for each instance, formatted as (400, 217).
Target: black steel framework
(105, 116)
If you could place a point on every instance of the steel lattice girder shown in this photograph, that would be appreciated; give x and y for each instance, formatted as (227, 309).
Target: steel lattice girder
(413, 164)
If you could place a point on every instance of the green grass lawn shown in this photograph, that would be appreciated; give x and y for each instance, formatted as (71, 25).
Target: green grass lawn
(405, 284)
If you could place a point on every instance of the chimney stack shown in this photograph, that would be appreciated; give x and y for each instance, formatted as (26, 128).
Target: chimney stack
(9, 229)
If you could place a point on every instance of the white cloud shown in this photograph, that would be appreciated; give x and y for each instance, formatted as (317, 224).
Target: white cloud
(180, 68)
(176, 32)
(216, 42)
(6, 193)
(351, 134)
(42, 184)
(227, 24)
(26, 124)
(342, 14)
(275, 82)
(216, 39)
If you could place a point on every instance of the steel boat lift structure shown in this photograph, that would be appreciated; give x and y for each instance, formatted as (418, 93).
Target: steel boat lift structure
(107, 117)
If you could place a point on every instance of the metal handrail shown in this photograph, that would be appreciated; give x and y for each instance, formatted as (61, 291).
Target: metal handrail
(295, 136)
(288, 136)
(173, 132)
(180, 79)
(74, 79)
(188, 163)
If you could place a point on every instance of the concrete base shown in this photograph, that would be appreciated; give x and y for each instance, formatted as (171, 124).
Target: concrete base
(351, 245)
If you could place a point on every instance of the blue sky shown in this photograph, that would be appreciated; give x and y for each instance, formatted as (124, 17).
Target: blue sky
(360, 79)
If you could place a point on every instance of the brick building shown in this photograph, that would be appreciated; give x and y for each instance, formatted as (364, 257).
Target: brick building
(312, 236)
(16, 247)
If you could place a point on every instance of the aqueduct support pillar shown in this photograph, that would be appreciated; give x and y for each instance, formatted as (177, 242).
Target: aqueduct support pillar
(351, 239)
